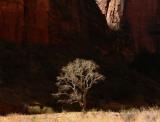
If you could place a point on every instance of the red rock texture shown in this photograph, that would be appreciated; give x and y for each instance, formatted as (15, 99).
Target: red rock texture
(37, 17)
(12, 21)
(56, 22)
(142, 15)
(48, 21)
(76, 21)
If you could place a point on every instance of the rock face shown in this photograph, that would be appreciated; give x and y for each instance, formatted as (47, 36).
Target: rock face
(35, 18)
(143, 18)
(12, 20)
(113, 10)
(115, 13)
(66, 22)
(44, 21)
(76, 22)
(11, 24)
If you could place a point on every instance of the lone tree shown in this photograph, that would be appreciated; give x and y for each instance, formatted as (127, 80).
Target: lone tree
(75, 80)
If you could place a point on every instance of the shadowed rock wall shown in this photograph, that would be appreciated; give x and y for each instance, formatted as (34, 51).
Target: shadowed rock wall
(43, 21)
(12, 20)
(143, 17)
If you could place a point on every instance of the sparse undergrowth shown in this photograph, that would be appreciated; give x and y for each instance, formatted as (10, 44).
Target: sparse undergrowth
(133, 115)
(39, 110)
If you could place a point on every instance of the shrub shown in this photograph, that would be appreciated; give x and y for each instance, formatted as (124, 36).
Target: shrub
(39, 110)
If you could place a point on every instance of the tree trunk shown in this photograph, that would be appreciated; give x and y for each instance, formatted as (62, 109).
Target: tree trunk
(84, 101)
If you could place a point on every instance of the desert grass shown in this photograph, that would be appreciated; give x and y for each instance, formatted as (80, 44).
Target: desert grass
(145, 115)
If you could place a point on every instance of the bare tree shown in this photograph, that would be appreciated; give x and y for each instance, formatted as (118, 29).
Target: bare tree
(75, 80)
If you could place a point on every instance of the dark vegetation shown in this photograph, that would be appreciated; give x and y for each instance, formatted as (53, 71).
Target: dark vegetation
(28, 74)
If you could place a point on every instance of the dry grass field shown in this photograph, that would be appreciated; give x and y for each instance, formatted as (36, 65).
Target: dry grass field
(151, 115)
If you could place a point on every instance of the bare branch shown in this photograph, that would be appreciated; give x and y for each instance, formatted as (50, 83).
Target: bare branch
(77, 77)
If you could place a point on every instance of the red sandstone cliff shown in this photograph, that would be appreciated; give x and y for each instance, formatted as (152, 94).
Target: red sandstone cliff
(48, 21)
(143, 17)
(12, 20)
(76, 21)
(43, 21)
